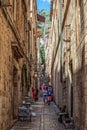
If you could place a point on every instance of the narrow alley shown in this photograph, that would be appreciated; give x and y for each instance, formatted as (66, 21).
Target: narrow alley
(43, 54)
(46, 119)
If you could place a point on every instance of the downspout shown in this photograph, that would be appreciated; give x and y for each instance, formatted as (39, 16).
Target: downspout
(61, 40)
(27, 51)
(27, 47)
(44, 38)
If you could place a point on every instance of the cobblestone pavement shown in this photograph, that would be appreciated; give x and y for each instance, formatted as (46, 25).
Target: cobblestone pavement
(46, 119)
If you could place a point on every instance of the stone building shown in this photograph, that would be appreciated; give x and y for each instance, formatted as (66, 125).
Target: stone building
(69, 57)
(33, 42)
(49, 54)
(17, 47)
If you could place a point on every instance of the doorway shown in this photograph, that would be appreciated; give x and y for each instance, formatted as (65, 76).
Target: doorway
(15, 92)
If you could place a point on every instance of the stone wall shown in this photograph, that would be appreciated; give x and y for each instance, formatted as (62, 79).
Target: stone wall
(80, 73)
(74, 64)
(9, 33)
(18, 49)
(6, 73)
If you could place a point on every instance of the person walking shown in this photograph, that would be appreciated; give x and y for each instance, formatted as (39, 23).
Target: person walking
(49, 95)
(34, 93)
(44, 95)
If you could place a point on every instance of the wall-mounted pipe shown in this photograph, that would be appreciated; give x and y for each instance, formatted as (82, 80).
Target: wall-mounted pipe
(61, 40)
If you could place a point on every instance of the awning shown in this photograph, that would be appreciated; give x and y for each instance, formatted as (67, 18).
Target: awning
(40, 18)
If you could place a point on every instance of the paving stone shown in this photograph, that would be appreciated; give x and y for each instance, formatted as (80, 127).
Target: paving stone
(46, 119)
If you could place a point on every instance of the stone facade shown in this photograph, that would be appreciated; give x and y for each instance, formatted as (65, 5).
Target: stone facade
(49, 54)
(16, 34)
(69, 64)
(33, 42)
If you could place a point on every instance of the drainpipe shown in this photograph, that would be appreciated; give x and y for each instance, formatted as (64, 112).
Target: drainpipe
(27, 48)
(61, 40)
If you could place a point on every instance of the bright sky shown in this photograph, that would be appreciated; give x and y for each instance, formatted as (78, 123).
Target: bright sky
(43, 4)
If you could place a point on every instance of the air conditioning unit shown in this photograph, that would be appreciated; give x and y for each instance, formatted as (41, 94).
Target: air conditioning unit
(5, 3)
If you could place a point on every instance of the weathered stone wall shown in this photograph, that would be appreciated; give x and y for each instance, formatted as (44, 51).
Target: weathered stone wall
(17, 45)
(74, 62)
(80, 72)
(6, 37)
(7, 58)
(76, 54)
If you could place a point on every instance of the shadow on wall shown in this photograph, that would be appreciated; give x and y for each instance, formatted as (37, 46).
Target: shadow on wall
(77, 103)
